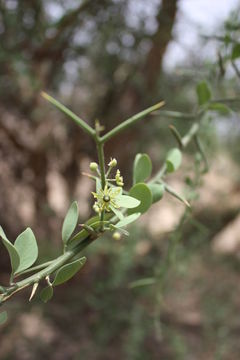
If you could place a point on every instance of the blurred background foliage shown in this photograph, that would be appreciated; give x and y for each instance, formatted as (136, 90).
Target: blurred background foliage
(107, 60)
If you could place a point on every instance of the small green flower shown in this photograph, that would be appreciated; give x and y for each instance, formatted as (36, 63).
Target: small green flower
(111, 199)
(107, 198)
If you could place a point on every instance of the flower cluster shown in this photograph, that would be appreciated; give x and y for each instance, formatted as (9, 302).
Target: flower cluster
(119, 178)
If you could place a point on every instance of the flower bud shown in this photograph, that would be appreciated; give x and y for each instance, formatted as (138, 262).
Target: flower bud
(116, 235)
(113, 163)
(96, 208)
(93, 166)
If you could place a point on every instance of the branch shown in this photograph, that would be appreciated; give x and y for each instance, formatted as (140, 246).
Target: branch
(129, 122)
(83, 239)
(90, 131)
(55, 265)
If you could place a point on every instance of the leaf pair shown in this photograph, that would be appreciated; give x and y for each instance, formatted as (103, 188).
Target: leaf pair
(23, 253)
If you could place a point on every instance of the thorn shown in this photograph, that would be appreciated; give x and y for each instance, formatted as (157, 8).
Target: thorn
(186, 203)
(34, 289)
(47, 278)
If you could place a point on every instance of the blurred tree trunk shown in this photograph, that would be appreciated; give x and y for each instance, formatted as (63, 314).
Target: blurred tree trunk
(129, 96)
(166, 19)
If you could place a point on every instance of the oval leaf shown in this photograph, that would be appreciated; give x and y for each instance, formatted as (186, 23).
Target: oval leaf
(127, 220)
(27, 249)
(141, 192)
(14, 257)
(173, 160)
(128, 202)
(220, 108)
(46, 294)
(203, 93)
(67, 271)
(3, 317)
(70, 222)
(157, 191)
(142, 168)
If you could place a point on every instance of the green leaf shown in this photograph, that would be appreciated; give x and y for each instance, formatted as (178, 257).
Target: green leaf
(27, 249)
(127, 220)
(67, 271)
(173, 160)
(157, 191)
(142, 282)
(128, 202)
(14, 257)
(3, 317)
(142, 168)
(219, 107)
(203, 93)
(117, 212)
(236, 52)
(70, 222)
(141, 192)
(46, 294)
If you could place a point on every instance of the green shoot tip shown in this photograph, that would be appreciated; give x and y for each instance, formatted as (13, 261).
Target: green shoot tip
(45, 95)
(159, 105)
